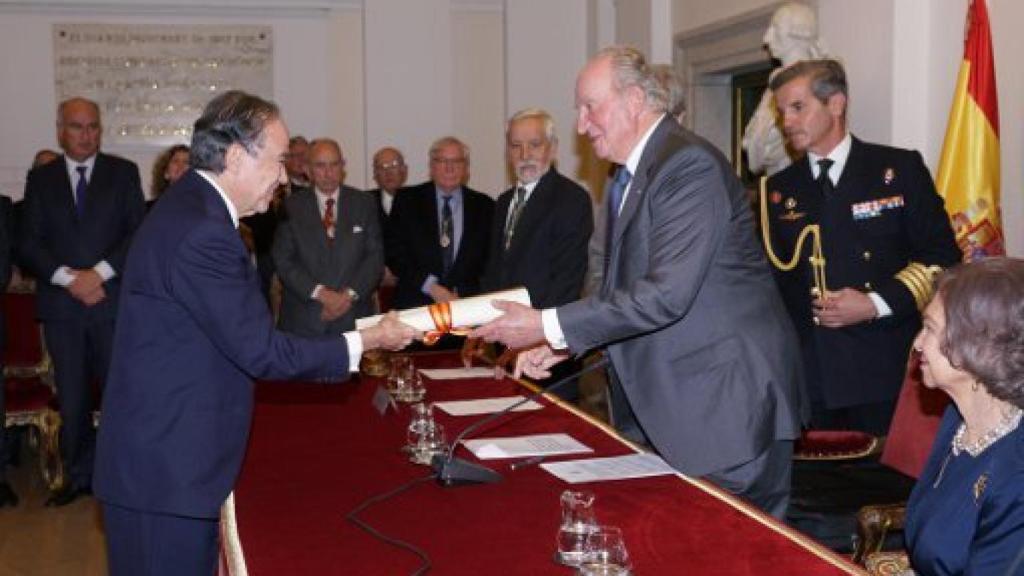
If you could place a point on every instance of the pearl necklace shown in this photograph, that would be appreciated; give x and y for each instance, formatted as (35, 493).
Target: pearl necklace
(1011, 419)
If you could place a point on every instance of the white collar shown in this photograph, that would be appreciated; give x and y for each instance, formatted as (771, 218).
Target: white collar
(839, 155)
(633, 160)
(227, 201)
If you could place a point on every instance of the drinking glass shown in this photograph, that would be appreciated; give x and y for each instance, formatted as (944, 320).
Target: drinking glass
(578, 521)
(604, 554)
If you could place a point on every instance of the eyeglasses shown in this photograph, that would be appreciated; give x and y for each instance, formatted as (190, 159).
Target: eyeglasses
(393, 165)
(449, 162)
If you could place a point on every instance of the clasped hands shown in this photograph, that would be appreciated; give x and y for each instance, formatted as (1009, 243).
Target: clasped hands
(520, 329)
(334, 303)
(87, 286)
(843, 308)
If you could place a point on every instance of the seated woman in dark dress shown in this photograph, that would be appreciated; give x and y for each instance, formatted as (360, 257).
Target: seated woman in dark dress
(966, 514)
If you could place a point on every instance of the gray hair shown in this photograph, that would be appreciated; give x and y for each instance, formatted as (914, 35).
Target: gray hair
(448, 141)
(77, 99)
(984, 309)
(539, 114)
(234, 117)
(668, 78)
(629, 69)
(827, 78)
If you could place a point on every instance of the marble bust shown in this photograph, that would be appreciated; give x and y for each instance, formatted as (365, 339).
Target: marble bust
(792, 36)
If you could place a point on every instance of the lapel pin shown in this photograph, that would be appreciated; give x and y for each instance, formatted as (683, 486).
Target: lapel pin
(790, 203)
(775, 197)
(889, 176)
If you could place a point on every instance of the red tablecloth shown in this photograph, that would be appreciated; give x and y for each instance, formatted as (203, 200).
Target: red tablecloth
(317, 451)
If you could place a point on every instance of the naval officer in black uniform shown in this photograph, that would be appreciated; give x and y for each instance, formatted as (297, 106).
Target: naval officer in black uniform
(884, 232)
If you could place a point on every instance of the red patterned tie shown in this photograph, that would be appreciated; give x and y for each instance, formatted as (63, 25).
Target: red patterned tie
(329, 219)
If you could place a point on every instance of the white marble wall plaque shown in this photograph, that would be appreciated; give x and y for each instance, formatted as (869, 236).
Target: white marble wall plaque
(152, 81)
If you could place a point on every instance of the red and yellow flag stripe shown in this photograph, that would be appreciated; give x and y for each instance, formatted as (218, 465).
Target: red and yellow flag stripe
(969, 168)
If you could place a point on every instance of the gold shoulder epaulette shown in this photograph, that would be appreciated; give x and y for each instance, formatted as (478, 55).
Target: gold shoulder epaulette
(919, 279)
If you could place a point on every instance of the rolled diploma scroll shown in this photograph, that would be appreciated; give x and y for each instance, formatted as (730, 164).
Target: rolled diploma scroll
(464, 313)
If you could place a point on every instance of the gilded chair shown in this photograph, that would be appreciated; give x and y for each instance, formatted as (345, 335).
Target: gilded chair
(28, 384)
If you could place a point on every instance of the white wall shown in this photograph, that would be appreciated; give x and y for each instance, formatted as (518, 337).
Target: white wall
(368, 73)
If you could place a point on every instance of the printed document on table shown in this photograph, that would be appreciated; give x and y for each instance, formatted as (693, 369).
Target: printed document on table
(614, 468)
(485, 406)
(519, 446)
(457, 373)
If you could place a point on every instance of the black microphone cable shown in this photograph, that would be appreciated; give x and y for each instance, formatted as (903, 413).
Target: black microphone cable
(353, 517)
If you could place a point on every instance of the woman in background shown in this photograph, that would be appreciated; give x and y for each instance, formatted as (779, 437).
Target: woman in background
(966, 514)
(169, 166)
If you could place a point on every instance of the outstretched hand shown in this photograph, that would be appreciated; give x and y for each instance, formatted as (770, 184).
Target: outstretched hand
(390, 334)
(519, 327)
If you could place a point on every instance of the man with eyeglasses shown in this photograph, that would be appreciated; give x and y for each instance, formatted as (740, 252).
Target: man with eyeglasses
(390, 173)
(436, 235)
(328, 252)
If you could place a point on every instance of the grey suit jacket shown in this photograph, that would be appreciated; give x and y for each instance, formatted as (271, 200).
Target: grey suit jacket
(303, 259)
(690, 315)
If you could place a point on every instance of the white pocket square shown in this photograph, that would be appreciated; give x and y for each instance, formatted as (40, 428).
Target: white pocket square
(357, 229)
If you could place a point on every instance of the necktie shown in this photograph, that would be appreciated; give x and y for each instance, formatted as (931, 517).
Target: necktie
(80, 190)
(447, 236)
(823, 180)
(615, 194)
(517, 208)
(329, 219)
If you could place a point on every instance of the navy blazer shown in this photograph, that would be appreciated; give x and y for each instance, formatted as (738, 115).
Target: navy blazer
(864, 250)
(412, 246)
(548, 253)
(192, 333)
(54, 235)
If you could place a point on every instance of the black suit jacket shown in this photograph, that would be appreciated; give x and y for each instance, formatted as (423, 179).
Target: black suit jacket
(548, 253)
(53, 235)
(413, 251)
(864, 249)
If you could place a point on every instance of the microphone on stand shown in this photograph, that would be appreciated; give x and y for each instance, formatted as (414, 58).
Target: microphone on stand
(451, 471)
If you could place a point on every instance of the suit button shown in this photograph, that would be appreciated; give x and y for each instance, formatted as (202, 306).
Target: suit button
(867, 285)
(867, 255)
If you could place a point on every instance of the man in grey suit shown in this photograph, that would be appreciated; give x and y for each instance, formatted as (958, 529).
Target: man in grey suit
(328, 253)
(697, 334)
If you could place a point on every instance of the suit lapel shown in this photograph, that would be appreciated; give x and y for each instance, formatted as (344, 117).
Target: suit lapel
(532, 213)
(649, 161)
(63, 189)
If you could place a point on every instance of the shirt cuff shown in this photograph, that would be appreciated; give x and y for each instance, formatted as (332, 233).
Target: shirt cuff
(104, 270)
(881, 307)
(552, 329)
(62, 277)
(354, 342)
(428, 284)
(316, 291)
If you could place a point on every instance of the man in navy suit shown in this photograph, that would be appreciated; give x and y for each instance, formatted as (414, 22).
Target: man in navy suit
(79, 217)
(193, 332)
(882, 223)
(436, 236)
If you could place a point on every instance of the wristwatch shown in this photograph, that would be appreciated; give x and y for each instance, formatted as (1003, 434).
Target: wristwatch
(352, 294)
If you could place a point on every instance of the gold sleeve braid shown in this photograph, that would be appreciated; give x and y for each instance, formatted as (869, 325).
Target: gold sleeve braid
(919, 279)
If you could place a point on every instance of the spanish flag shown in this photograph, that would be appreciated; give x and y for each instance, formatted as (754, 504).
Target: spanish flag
(969, 169)
(969, 181)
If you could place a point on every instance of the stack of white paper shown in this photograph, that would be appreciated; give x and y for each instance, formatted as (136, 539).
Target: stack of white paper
(613, 468)
(485, 406)
(519, 446)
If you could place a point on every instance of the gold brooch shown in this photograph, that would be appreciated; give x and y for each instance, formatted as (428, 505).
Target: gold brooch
(979, 487)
